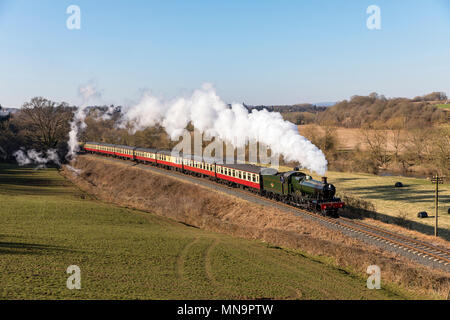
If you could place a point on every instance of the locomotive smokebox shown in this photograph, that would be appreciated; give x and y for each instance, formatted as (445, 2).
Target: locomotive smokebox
(325, 180)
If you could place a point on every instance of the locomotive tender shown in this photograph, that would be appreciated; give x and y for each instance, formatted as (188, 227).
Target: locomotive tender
(293, 187)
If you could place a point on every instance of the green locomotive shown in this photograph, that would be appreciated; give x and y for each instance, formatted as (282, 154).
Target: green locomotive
(298, 188)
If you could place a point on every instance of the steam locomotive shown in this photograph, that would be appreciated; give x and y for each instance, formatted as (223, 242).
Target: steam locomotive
(292, 187)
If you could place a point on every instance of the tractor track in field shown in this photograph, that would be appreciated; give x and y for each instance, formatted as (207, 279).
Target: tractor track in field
(181, 259)
(226, 290)
(418, 251)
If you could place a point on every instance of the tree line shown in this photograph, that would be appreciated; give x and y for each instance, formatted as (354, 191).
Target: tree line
(379, 112)
(396, 142)
(42, 124)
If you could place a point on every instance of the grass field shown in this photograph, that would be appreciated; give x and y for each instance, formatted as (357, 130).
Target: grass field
(47, 224)
(416, 195)
(444, 106)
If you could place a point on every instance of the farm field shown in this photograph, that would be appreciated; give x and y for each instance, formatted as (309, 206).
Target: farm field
(416, 195)
(47, 224)
(348, 138)
(351, 138)
(444, 106)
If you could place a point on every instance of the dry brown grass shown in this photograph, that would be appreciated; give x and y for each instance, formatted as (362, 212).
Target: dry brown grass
(211, 210)
(350, 138)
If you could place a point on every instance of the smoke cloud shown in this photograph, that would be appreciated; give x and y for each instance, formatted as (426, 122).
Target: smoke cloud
(75, 171)
(212, 116)
(24, 158)
(87, 93)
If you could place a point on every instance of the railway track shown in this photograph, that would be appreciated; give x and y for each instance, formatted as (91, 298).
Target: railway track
(418, 247)
(410, 245)
(422, 251)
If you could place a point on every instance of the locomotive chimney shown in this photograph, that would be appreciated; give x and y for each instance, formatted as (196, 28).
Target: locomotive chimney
(325, 180)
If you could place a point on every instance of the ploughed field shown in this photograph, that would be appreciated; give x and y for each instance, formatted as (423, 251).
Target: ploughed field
(47, 224)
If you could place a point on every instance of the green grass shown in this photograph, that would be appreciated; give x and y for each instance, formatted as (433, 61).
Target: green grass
(443, 106)
(416, 195)
(47, 224)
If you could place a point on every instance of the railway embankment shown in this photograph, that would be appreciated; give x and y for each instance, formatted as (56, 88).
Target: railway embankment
(123, 184)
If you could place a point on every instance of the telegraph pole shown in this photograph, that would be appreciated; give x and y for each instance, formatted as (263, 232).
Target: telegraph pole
(437, 180)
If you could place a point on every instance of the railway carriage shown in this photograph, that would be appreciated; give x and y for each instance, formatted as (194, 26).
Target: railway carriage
(199, 166)
(169, 160)
(108, 149)
(90, 147)
(145, 155)
(245, 175)
(99, 147)
(124, 152)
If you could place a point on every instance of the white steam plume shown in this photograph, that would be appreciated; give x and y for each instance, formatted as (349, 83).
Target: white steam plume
(33, 157)
(87, 93)
(210, 115)
(75, 171)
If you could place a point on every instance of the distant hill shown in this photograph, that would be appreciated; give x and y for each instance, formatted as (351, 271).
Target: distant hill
(325, 104)
(378, 111)
(305, 107)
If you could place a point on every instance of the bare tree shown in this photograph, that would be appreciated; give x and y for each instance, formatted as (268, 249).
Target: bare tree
(44, 123)
(440, 150)
(376, 141)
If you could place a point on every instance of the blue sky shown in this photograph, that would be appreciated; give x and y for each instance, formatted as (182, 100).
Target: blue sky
(258, 52)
